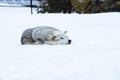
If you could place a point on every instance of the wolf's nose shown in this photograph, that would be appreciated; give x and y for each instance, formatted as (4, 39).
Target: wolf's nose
(69, 41)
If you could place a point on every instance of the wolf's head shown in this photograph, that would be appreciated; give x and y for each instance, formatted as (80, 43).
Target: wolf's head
(61, 37)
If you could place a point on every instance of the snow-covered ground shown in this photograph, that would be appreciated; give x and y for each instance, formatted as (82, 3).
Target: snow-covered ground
(93, 55)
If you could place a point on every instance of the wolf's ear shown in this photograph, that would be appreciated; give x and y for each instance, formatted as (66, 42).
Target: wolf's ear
(65, 32)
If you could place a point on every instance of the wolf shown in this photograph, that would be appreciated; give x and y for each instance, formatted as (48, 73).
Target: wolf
(45, 35)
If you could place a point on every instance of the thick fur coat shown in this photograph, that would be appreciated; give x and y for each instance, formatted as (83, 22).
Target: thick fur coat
(44, 35)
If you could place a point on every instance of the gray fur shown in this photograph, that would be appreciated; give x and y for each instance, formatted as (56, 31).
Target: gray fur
(27, 36)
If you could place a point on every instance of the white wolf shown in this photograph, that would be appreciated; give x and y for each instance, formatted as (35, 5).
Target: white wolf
(44, 35)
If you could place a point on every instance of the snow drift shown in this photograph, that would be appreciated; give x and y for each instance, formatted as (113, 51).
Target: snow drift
(93, 55)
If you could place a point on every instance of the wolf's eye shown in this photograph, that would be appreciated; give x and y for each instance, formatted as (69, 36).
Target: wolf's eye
(61, 38)
(54, 37)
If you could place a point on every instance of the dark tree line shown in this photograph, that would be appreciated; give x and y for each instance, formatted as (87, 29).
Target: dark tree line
(96, 6)
(56, 6)
(86, 6)
(59, 6)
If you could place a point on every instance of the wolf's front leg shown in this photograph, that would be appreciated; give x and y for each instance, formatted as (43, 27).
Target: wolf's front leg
(50, 42)
(38, 43)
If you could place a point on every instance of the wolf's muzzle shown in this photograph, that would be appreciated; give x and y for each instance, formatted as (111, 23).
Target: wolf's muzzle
(69, 41)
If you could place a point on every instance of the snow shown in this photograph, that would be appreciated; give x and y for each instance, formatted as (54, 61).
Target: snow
(93, 55)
